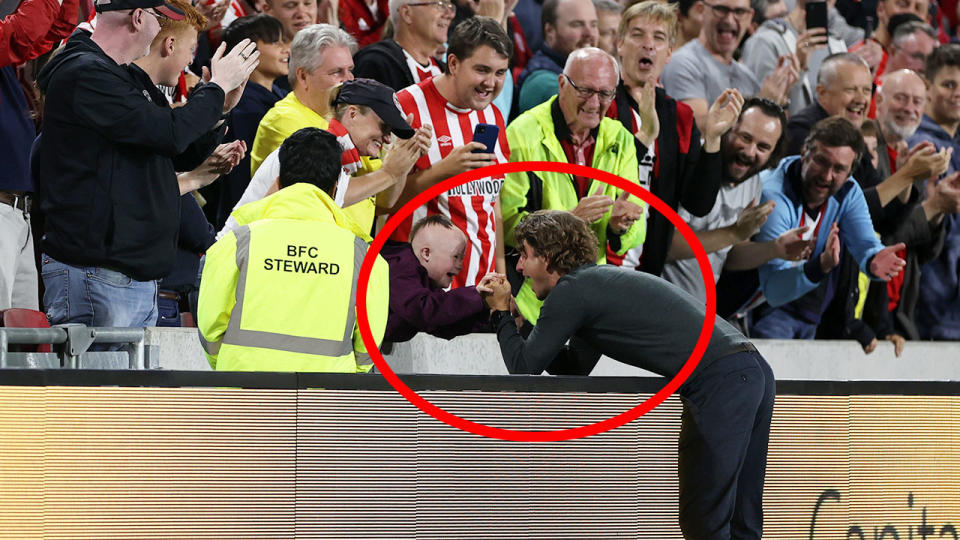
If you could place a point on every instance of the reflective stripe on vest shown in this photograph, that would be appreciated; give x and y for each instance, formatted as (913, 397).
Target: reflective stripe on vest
(235, 335)
(363, 359)
(210, 347)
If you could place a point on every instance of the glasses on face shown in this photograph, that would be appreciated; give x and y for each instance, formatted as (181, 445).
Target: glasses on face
(442, 5)
(721, 11)
(160, 16)
(587, 93)
(838, 169)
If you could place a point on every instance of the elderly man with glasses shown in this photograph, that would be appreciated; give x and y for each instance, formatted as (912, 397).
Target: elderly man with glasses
(572, 128)
(704, 68)
(420, 28)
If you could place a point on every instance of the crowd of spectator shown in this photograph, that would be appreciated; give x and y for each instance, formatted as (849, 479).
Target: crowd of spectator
(818, 166)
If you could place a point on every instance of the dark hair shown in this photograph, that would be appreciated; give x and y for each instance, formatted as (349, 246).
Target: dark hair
(476, 32)
(685, 5)
(548, 14)
(438, 220)
(869, 128)
(772, 110)
(943, 56)
(898, 20)
(835, 132)
(259, 27)
(310, 155)
(759, 7)
(563, 239)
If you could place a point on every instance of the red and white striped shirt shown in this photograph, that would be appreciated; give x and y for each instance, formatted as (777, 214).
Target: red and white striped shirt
(469, 206)
(418, 71)
(236, 10)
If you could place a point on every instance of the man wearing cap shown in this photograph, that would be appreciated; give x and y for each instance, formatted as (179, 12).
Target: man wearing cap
(104, 166)
(364, 117)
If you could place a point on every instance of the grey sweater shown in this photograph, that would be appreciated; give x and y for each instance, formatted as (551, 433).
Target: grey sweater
(633, 317)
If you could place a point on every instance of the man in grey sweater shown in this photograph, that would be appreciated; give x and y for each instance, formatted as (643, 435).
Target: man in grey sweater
(727, 401)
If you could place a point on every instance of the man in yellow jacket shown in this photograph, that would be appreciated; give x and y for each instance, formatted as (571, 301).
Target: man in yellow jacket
(279, 292)
(572, 128)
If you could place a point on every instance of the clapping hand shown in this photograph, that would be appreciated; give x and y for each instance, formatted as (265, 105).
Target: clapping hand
(751, 219)
(886, 264)
(830, 258)
(777, 85)
(231, 71)
(723, 114)
(792, 247)
(592, 208)
(624, 213)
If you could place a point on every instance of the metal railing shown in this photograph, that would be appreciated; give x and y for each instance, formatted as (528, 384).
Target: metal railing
(72, 343)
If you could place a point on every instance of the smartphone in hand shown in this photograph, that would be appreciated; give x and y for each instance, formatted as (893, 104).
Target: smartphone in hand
(816, 14)
(486, 134)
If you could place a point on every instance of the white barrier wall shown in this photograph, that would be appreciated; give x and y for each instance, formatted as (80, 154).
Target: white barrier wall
(479, 354)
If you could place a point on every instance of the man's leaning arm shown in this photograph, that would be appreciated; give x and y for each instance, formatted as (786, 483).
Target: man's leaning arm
(559, 319)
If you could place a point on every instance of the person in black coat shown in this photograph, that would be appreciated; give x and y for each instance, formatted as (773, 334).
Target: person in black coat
(407, 58)
(104, 165)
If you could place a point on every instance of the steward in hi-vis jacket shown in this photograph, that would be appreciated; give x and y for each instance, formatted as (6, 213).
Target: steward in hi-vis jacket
(279, 293)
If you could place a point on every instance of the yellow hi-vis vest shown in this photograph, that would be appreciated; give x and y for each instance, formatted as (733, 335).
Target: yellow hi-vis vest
(532, 137)
(279, 293)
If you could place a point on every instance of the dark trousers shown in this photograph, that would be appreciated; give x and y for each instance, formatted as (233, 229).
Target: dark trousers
(724, 433)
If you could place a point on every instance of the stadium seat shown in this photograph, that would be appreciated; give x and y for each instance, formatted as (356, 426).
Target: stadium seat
(25, 318)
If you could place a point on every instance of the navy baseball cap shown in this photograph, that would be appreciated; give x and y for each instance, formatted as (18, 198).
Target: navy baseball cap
(378, 97)
(161, 7)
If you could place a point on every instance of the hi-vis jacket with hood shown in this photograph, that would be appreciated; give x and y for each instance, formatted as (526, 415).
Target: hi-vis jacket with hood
(279, 292)
(532, 137)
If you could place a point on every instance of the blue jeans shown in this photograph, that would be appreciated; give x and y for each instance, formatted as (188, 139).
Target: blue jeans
(96, 296)
(778, 324)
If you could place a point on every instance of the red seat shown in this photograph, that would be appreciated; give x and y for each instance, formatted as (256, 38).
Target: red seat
(25, 318)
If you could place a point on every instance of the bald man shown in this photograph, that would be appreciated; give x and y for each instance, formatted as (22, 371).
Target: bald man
(899, 112)
(844, 86)
(571, 128)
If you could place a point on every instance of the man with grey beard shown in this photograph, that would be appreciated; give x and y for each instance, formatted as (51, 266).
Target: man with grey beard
(900, 105)
(899, 111)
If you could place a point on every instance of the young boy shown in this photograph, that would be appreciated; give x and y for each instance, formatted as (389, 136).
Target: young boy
(258, 97)
(419, 273)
